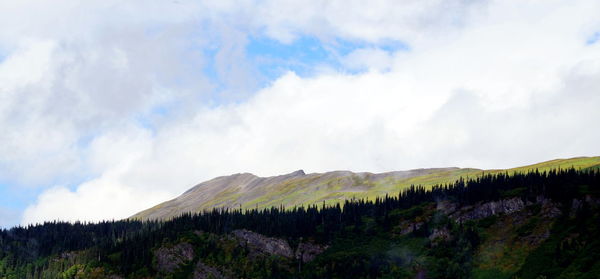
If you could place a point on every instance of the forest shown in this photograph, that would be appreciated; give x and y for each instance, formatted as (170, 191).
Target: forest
(556, 234)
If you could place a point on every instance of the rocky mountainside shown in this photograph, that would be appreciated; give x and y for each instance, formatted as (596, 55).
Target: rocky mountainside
(509, 223)
(249, 191)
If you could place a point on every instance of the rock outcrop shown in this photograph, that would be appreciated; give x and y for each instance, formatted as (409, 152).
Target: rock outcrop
(305, 251)
(409, 226)
(203, 271)
(264, 244)
(483, 210)
(442, 234)
(549, 209)
(171, 258)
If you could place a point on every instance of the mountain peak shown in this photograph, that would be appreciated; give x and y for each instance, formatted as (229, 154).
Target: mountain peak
(297, 173)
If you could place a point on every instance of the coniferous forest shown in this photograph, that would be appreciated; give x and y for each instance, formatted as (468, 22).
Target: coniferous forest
(522, 225)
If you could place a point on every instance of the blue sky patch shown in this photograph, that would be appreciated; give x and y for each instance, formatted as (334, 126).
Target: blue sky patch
(273, 58)
(344, 47)
(593, 39)
(147, 120)
(13, 200)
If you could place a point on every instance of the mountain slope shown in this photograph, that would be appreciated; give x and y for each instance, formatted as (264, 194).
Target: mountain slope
(529, 225)
(246, 190)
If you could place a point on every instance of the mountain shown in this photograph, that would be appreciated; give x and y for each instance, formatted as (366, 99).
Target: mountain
(246, 190)
(501, 225)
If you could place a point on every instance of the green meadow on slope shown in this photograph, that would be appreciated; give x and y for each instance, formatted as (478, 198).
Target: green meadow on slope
(247, 191)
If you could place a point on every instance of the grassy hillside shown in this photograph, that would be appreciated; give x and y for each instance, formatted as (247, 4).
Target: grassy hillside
(248, 191)
(527, 226)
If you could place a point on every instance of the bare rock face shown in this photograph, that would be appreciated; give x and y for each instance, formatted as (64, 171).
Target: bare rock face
(410, 226)
(171, 258)
(203, 271)
(264, 244)
(307, 252)
(442, 234)
(575, 206)
(549, 209)
(495, 207)
(483, 210)
(446, 207)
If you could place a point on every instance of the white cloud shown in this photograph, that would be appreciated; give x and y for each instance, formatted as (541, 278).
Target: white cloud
(101, 199)
(485, 84)
(373, 21)
(73, 71)
(369, 59)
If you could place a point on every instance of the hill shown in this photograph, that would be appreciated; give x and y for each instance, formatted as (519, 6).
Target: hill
(498, 225)
(247, 191)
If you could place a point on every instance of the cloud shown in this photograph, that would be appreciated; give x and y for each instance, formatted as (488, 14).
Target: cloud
(373, 21)
(68, 78)
(484, 84)
(368, 59)
(291, 125)
(101, 199)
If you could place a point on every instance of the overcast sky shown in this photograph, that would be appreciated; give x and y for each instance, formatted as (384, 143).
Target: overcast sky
(108, 107)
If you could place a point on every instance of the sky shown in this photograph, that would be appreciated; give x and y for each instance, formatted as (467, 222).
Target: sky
(109, 107)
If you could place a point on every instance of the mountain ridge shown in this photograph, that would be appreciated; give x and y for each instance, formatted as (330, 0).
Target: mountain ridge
(246, 190)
